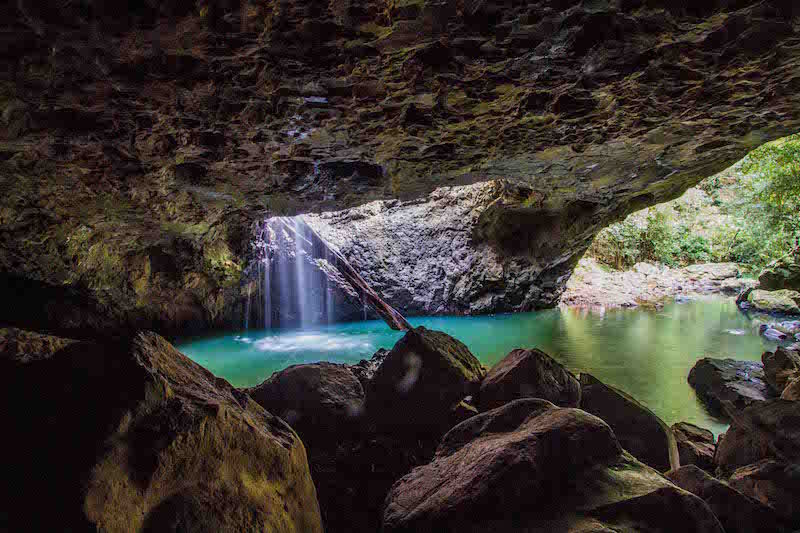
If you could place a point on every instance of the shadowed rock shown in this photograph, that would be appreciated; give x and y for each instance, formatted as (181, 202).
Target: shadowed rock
(773, 483)
(132, 435)
(528, 374)
(781, 367)
(728, 386)
(736, 512)
(638, 429)
(768, 430)
(321, 401)
(695, 445)
(422, 378)
(532, 466)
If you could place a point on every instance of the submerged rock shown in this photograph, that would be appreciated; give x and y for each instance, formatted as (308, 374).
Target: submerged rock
(695, 445)
(728, 385)
(767, 430)
(528, 374)
(132, 435)
(532, 466)
(422, 378)
(783, 301)
(638, 429)
(736, 512)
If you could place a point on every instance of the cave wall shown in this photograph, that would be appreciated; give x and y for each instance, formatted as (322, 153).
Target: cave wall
(138, 150)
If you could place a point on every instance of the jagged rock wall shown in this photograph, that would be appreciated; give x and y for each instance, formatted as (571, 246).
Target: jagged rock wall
(423, 255)
(140, 141)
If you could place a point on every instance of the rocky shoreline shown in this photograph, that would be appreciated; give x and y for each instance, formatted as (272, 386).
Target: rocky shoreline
(649, 285)
(420, 438)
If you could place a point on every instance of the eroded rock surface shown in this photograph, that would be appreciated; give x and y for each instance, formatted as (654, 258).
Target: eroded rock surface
(132, 435)
(137, 148)
(781, 367)
(532, 466)
(773, 483)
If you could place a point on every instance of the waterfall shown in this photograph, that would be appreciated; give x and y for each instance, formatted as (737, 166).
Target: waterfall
(303, 282)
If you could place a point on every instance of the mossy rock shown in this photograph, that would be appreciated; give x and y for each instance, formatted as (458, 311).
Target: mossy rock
(783, 275)
(783, 301)
(131, 435)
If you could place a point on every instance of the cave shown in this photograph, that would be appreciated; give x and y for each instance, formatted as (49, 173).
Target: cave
(281, 265)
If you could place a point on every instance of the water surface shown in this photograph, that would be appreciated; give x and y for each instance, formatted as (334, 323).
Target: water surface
(646, 353)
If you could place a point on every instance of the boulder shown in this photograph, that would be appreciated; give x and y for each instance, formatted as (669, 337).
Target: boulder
(532, 466)
(131, 435)
(695, 445)
(781, 367)
(782, 275)
(422, 378)
(728, 386)
(774, 484)
(528, 374)
(783, 301)
(769, 430)
(737, 512)
(638, 429)
(321, 401)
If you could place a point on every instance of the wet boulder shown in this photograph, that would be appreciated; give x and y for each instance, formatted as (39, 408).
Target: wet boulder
(425, 375)
(638, 429)
(772, 483)
(321, 401)
(532, 466)
(695, 445)
(528, 374)
(768, 430)
(736, 512)
(781, 367)
(131, 435)
(728, 385)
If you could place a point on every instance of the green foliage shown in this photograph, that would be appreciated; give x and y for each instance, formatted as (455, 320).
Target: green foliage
(763, 202)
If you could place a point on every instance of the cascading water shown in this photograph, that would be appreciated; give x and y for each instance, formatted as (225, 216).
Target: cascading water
(303, 282)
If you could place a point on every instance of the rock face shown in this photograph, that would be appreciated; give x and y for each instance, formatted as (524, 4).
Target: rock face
(767, 430)
(24, 346)
(792, 390)
(782, 275)
(728, 385)
(783, 301)
(638, 429)
(422, 378)
(774, 484)
(138, 151)
(532, 466)
(736, 512)
(132, 435)
(423, 257)
(320, 400)
(695, 446)
(781, 367)
(528, 374)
